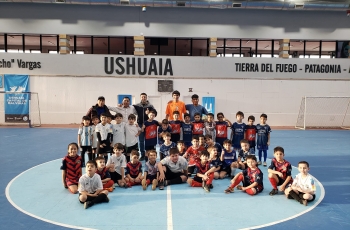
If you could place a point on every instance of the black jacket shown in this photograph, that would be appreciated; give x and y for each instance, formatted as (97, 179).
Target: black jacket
(141, 111)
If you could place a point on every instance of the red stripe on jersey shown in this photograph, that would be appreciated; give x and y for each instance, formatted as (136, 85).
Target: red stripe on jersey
(151, 131)
(73, 167)
(133, 169)
(197, 128)
(221, 130)
(102, 173)
(202, 168)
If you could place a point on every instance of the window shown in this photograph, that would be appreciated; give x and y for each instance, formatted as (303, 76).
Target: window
(32, 42)
(14, 43)
(232, 47)
(248, 48)
(117, 45)
(168, 50)
(200, 47)
(49, 44)
(83, 43)
(183, 47)
(100, 45)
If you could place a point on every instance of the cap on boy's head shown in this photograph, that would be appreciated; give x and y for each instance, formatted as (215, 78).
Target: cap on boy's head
(102, 98)
(176, 92)
(194, 96)
(86, 118)
(173, 151)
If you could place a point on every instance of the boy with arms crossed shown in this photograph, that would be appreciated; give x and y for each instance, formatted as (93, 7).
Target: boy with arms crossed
(187, 130)
(229, 160)
(90, 187)
(250, 133)
(280, 171)
(175, 127)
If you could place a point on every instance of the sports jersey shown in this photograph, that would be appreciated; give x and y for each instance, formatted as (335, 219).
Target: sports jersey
(119, 133)
(104, 130)
(85, 133)
(164, 149)
(218, 147)
(160, 130)
(198, 127)
(194, 154)
(130, 134)
(133, 169)
(151, 133)
(250, 134)
(175, 106)
(202, 168)
(151, 169)
(229, 158)
(118, 161)
(104, 173)
(243, 155)
(251, 176)
(209, 129)
(72, 165)
(284, 167)
(90, 184)
(262, 132)
(175, 167)
(94, 137)
(175, 127)
(238, 130)
(307, 184)
(186, 132)
(216, 163)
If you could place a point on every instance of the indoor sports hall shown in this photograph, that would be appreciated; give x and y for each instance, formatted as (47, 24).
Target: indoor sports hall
(283, 58)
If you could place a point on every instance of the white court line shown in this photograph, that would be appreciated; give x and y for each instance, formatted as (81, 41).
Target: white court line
(7, 192)
(169, 209)
(323, 192)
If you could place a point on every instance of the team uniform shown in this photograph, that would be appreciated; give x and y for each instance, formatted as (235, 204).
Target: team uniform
(118, 133)
(174, 170)
(229, 158)
(133, 170)
(131, 141)
(187, 133)
(72, 166)
(238, 130)
(90, 185)
(262, 138)
(175, 130)
(85, 133)
(164, 149)
(306, 184)
(193, 156)
(221, 131)
(217, 146)
(250, 134)
(197, 128)
(161, 130)
(94, 140)
(150, 134)
(151, 170)
(202, 169)
(209, 129)
(119, 162)
(216, 163)
(285, 168)
(105, 136)
(249, 177)
(104, 174)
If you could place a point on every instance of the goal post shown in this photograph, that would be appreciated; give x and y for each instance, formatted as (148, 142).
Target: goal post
(20, 108)
(324, 112)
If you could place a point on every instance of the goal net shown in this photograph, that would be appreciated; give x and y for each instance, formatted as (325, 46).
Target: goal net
(324, 112)
(20, 109)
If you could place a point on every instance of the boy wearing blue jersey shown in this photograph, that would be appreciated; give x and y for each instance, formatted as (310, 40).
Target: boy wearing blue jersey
(166, 146)
(210, 143)
(150, 128)
(229, 160)
(263, 137)
(85, 139)
(238, 131)
(175, 127)
(187, 130)
(164, 127)
(215, 162)
(243, 153)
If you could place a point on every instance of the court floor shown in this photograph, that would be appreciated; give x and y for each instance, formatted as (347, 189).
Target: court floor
(31, 184)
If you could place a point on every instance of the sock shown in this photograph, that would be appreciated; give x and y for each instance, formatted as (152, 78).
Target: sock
(273, 183)
(265, 155)
(99, 199)
(237, 181)
(196, 184)
(210, 180)
(250, 192)
(233, 170)
(109, 184)
(260, 152)
(83, 157)
(176, 180)
(295, 196)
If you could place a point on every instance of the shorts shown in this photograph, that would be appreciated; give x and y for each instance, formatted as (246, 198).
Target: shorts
(175, 137)
(226, 169)
(281, 181)
(89, 198)
(198, 179)
(129, 148)
(115, 176)
(105, 149)
(151, 177)
(86, 149)
(150, 147)
(169, 175)
(133, 176)
(301, 194)
(191, 169)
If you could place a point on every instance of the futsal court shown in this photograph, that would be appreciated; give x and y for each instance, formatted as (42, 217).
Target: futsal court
(33, 196)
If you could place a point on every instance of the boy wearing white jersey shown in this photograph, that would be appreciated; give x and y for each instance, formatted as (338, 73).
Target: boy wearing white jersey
(118, 130)
(116, 165)
(85, 139)
(132, 131)
(95, 121)
(90, 187)
(104, 136)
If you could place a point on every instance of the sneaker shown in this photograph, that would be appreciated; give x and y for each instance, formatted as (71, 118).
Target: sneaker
(161, 185)
(154, 184)
(265, 164)
(273, 192)
(229, 190)
(88, 204)
(211, 186)
(106, 199)
(259, 162)
(206, 188)
(166, 183)
(304, 202)
(110, 189)
(142, 158)
(239, 187)
(144, 184)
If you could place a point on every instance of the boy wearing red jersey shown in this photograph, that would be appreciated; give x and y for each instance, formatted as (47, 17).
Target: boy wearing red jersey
(192, 154)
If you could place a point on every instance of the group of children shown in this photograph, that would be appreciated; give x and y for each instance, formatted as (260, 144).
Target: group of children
(205, 152)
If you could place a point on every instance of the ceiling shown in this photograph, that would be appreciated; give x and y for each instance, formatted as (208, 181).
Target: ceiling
(326, 5)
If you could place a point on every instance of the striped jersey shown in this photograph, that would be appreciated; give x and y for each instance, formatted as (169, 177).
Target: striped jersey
(85, 133)
(72, 166)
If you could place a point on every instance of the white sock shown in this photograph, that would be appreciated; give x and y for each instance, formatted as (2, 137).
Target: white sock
(233, 170)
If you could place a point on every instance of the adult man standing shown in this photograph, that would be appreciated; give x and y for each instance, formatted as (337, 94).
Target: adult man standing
(125, 109)
(175, 105)
(98, 109)
(195, 107)
(142, 110)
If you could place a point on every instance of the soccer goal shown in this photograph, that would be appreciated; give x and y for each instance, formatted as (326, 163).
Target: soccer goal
(324, 112)
(19, 108)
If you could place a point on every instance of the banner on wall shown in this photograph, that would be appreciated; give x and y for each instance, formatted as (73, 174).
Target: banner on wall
(121, 97)
(16, 103)
(209, 104)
